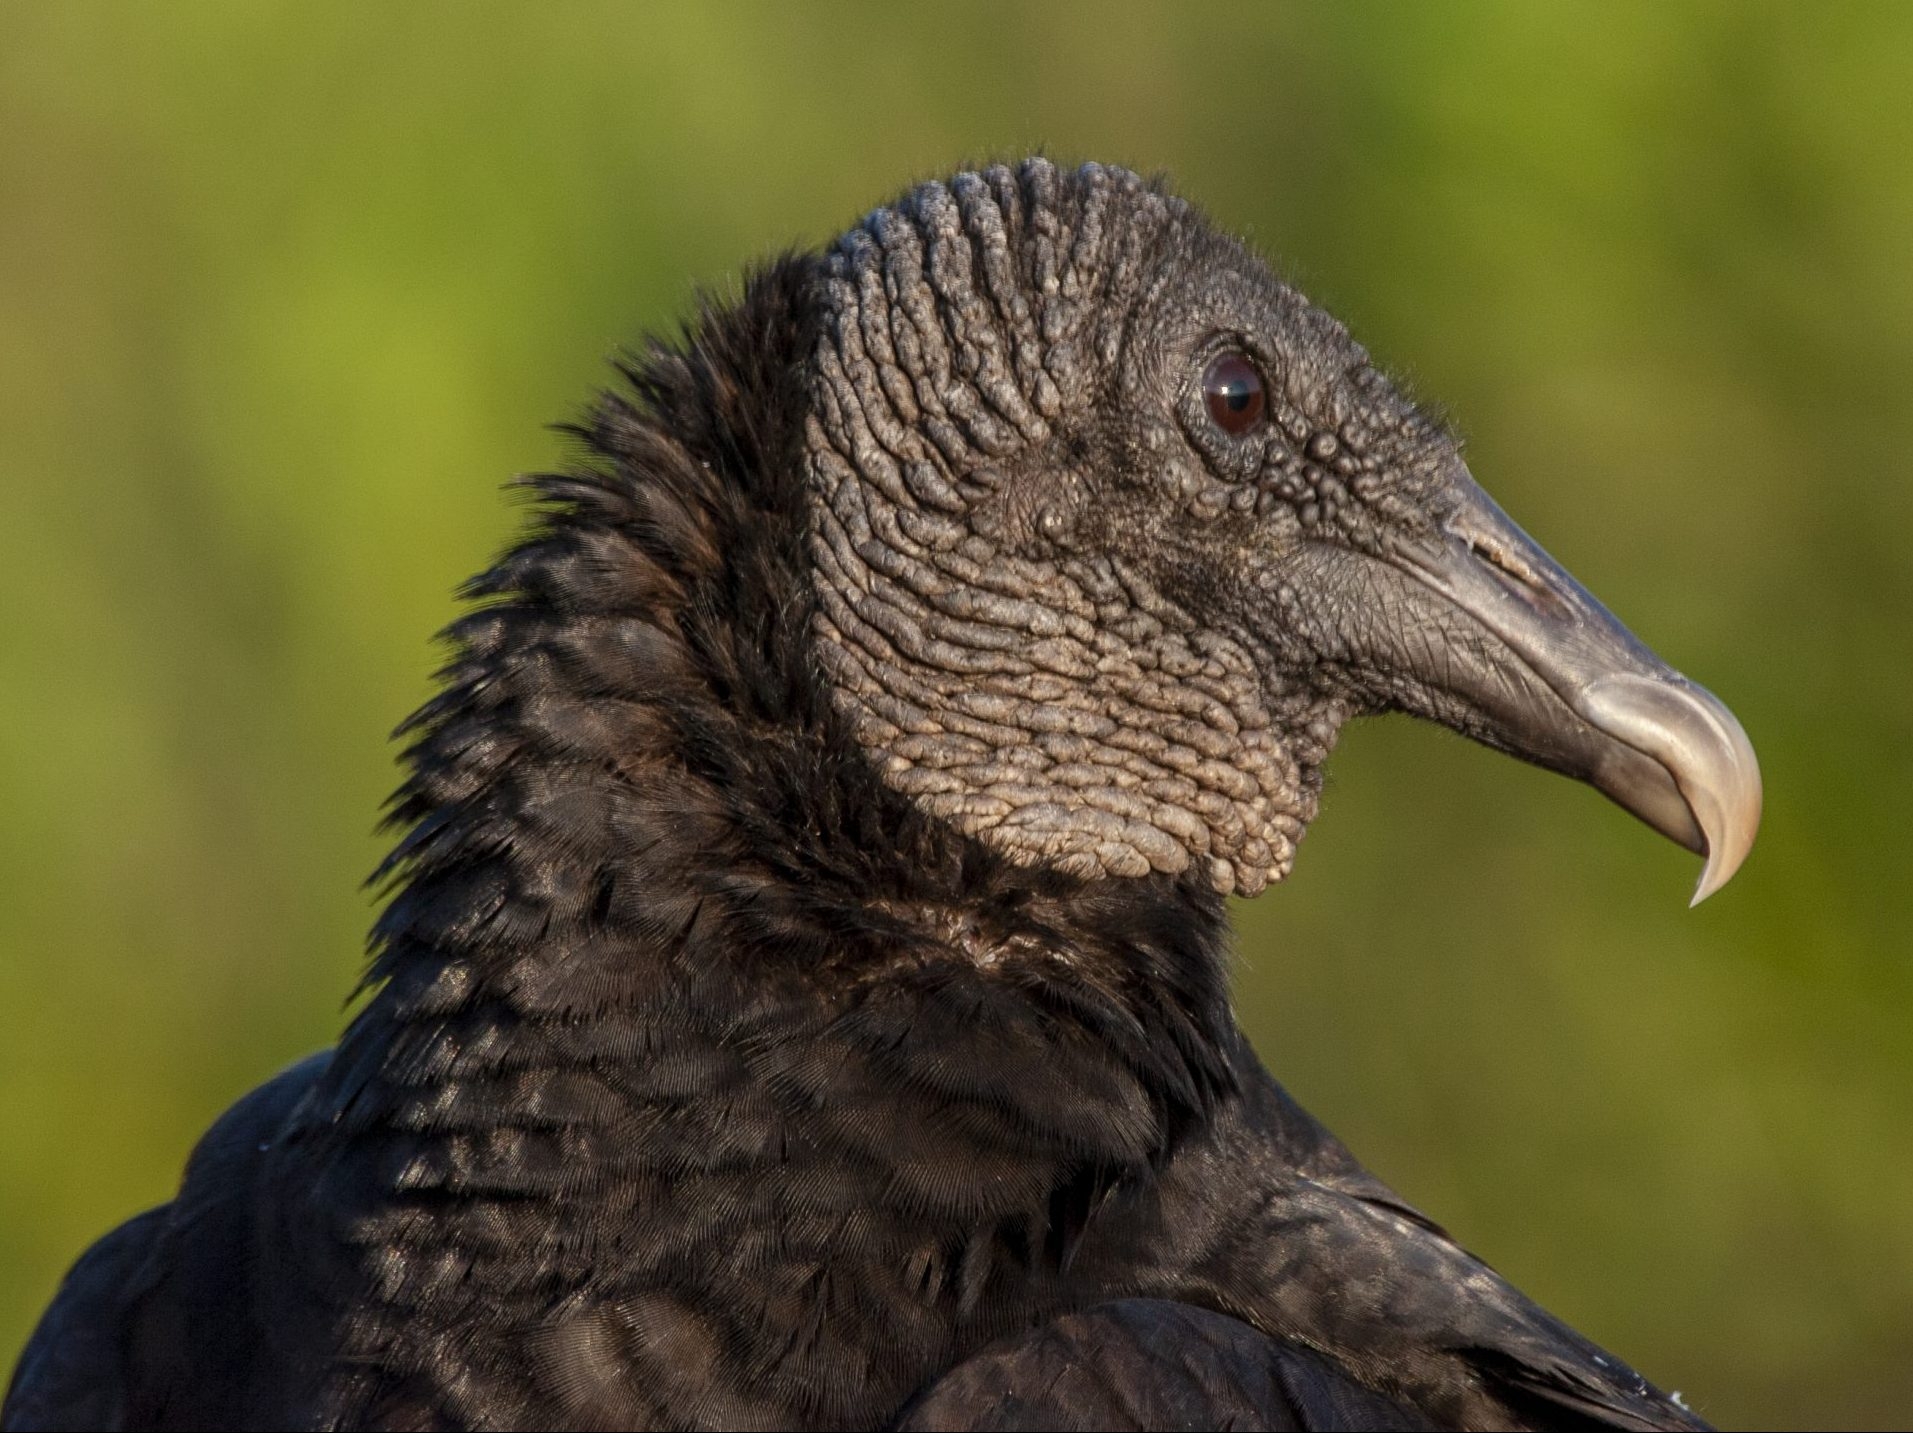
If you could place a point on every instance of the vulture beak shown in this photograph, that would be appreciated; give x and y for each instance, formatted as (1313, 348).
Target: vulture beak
(1594, 702)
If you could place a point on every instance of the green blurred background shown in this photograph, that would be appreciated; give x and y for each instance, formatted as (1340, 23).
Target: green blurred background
(286, 292)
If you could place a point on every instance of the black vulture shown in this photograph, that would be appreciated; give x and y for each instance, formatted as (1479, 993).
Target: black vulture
(803, 996)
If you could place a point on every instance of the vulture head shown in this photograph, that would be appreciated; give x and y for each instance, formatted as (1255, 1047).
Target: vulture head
(1113, 531)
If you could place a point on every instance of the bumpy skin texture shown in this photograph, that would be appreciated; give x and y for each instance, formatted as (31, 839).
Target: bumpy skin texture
(1028, 527)
(746, 1045)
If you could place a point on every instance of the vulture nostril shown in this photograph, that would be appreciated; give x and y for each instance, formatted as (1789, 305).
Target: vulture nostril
(1518, 578)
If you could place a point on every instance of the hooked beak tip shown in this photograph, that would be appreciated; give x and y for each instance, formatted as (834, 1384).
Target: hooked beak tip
(1704, 753)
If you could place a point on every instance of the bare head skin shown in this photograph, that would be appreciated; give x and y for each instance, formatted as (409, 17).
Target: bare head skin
(1113, 531)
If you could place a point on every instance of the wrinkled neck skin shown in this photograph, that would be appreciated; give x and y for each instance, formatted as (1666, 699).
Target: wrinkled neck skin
(1050, 702)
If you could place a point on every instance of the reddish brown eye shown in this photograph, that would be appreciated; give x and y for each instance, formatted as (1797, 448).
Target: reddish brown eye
(1233, 390)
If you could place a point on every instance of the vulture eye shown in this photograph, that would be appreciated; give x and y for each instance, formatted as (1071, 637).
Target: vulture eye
(1233, 390)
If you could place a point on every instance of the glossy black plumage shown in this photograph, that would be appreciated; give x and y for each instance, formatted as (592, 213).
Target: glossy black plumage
(705, 1080)
(1146, 1364)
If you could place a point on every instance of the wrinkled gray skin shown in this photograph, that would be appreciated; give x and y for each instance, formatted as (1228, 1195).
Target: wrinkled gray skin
(1033, 537)
(1075, 617)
